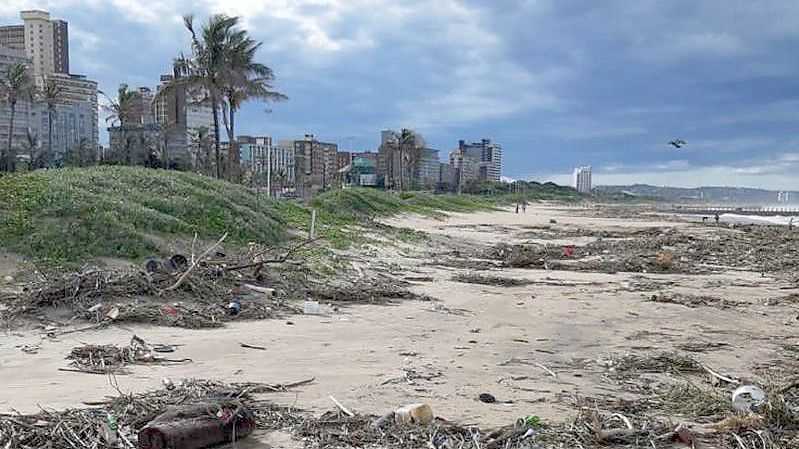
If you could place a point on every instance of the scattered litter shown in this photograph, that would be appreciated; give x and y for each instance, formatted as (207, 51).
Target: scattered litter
(748, 398)
(421, 414)
(487, 398)
(310, 307)
(234, 308)
(341, 407)
(265, 290)
(491, 280)
(106, 359)
(245, 345)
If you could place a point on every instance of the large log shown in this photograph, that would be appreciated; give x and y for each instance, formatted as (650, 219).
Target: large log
(197, 427)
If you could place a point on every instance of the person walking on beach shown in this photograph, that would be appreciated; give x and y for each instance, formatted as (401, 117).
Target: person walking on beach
(517, 208)
(524, 207)
(716, 217)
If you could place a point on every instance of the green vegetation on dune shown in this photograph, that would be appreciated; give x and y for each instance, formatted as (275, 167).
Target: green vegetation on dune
(365, 202)
(68, 215)
(75, 215)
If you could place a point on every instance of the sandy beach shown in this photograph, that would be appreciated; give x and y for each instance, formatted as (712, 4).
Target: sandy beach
(534, 346)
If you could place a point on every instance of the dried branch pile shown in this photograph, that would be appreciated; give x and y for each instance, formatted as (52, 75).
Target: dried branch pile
(116, 423)
(107, 359)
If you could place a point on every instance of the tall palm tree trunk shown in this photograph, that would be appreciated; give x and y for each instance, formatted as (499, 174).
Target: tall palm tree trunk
(218, 155)
(50, 159)
(208, 155)
(233, 162)
(227, 119)
(10, 153)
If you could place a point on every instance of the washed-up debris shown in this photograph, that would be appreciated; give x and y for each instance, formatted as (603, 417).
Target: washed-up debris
(653, 250)
(234, 308)
(117, 422)
(748, 398)
(366, 292)
(198, 426)
(106, 359)
(692, 301)
(702, 346)
(310, 307)
(491, 280)
(787, 300)
(487, 398)
(420, 414)
(627, 365)
(208, 293)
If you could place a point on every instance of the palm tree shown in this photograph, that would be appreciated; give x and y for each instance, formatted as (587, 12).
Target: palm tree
(221, 66)
(51, 94)
(16, 84)
(201, 140)
(245, 79)
(203, 70)
(124, 111)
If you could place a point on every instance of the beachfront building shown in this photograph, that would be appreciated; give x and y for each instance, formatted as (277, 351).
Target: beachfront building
(45, 41)
(180, 115)
(466, 169)
(448, 177)
(361, 171)
(315, 165)
(254, 154)
(22, 115)
(582, 179)
(404, 162)
(43, 44)
(427, 172)
(487, 156)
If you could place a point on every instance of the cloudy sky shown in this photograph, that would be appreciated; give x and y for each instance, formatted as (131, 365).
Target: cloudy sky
(558, 82)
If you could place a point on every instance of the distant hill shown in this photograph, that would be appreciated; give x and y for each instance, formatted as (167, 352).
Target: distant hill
(730, 195)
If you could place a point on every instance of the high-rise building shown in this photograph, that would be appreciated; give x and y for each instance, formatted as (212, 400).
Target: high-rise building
(13, 36)
(23, 110)
(404, 162)
(427, 172)
(180, 114)
(315, 167)
(254, 153)
(45, 41)
(74, 117)
(466, 168)
(783, 197)
(582, 179)
(448, 177)
(487, 155)
(283, 164)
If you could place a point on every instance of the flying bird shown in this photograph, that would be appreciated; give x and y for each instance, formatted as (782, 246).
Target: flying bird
(677, 143)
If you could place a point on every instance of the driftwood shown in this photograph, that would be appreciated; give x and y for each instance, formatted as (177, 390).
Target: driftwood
(280, 259)
(194, 264)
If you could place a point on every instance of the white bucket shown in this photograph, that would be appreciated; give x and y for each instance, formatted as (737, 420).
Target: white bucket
(311, 308)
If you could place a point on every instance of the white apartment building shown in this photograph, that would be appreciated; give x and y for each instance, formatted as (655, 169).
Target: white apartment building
(46, 43)
(582, 179)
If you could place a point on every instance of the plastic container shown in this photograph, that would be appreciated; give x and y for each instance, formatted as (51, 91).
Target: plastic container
(234, 308)
(310, 307)
(421, 414)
